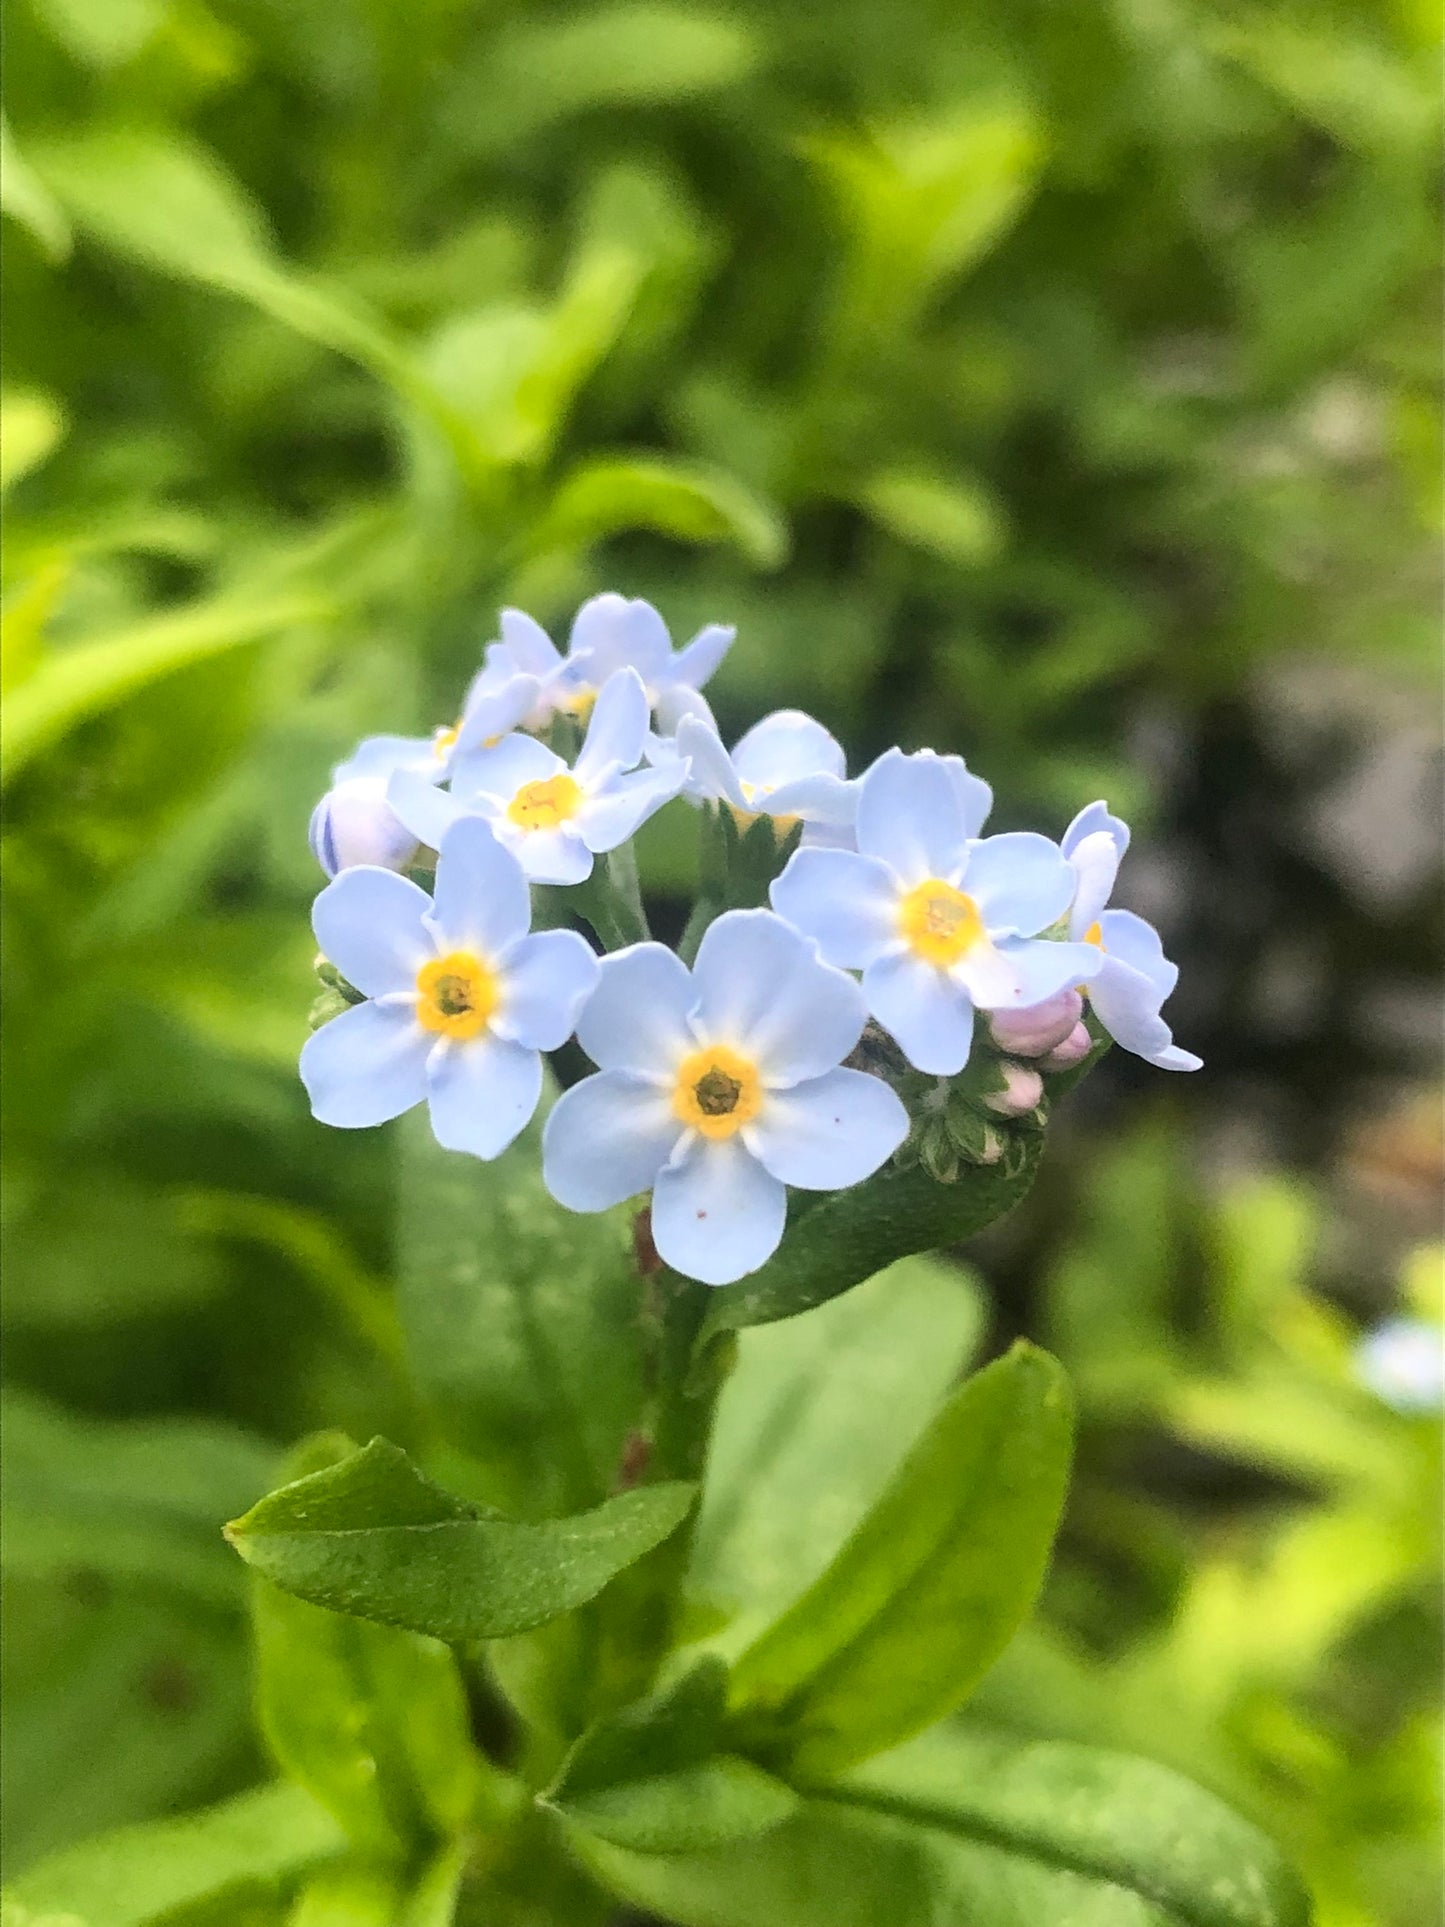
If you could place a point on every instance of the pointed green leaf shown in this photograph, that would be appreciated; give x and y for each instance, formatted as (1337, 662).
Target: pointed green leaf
(373, 1537)
(144, 1874)
(521, 1320)
(25, 198)
(371, 1720)
(651, 1777)
(962, 1825)
(849, 1235)
(926, 1594)
(608, 494)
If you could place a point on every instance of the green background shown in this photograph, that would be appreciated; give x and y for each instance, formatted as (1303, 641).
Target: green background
(1055, 384)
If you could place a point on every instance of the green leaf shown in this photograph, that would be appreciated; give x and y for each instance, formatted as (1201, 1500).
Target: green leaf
(25, 198)
(849, 1235)
(968, 1825)
(347, 1894)
(142, 1874)
(814, 1419)
(951, 517)
(136, 1499)
(611, 493)
(930, 1588)
(373, 1537)
(522, 1321)
(651, 1777)
(79, 682)
(370, 1720)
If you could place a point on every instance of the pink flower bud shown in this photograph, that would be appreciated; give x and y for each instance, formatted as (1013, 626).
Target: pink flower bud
(1033, 1032)
(353, 824)
(1075, 1047)
(1022, 1091)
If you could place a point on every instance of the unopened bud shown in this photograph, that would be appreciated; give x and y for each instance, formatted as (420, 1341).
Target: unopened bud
(1039, 1029)
(353, 823)
(1074, 1049)
(1021, 1092)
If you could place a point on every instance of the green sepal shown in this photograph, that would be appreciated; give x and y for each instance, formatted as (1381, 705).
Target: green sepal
(373, 1537)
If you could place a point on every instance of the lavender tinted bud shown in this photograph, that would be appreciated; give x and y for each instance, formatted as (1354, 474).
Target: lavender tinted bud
(354, 824)
(1038, 1030)
(1022, 1091)
(1074, 1049)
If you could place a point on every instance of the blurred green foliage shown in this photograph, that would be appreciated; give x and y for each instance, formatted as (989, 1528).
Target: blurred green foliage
(1011, 375)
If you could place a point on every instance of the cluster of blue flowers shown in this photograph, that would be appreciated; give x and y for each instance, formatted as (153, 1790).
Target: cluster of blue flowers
(721, 1083)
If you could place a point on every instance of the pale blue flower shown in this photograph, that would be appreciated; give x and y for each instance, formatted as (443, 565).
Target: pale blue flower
(718, 1088)
(554, 819)
(610, 633)
(787, 767)
(1129, 986)
(939, 923)
(1403, 1363)
(460, 998)
(353, 823)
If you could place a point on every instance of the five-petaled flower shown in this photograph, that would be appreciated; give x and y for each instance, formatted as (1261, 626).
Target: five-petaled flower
(555, 819)
(787, 767)
(716, 1089)
(608, 633)
(461, 999)
(1130, 977)
(938, 923)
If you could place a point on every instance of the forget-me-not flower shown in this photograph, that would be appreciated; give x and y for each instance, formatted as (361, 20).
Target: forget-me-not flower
(787, 767)
(716, 1089)
(939, 924)
(609, 633)
(354, 823)
(460, 997)
(1130, 981)
(554, 818)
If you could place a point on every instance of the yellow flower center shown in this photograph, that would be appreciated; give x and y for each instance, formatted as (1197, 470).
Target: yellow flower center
(578, 702)
(940, 924)
(1095, 934)
(456, 995)
(444, 740)
(543, 805)
(717, 1091)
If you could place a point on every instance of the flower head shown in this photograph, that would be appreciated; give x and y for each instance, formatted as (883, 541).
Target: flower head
(553, 817)
(787, 767)
(353, 823)
(939, 924)
(716, 1089)
(1130, 984)
(460, 999)
(609, 633)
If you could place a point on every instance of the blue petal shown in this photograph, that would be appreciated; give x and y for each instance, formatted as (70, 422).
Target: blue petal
(425, 810)
(547, 856)
(1020, 881)
(482, 903)
(830, 1132)
(481, 1093)
(1095, 862)
(380, 755)
(493, 714)
(911, 818)
(1040, 970)
(548, 978)
(710, 769)
(370, 924)
(636, 1018)
(784, 746)
(847, 903)
(821, 799)
(529, 645)
(716, 1213)
(617, 732)
(763, 988)
(501, 771)
(698, 661)
(1137, 943)
(929, 1015)
(606, 1139)
(1093, 818)
(674, 700)
(365, 1066)
(975, 797)
(611, 633)
(1127, 1005)
(616, 808)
